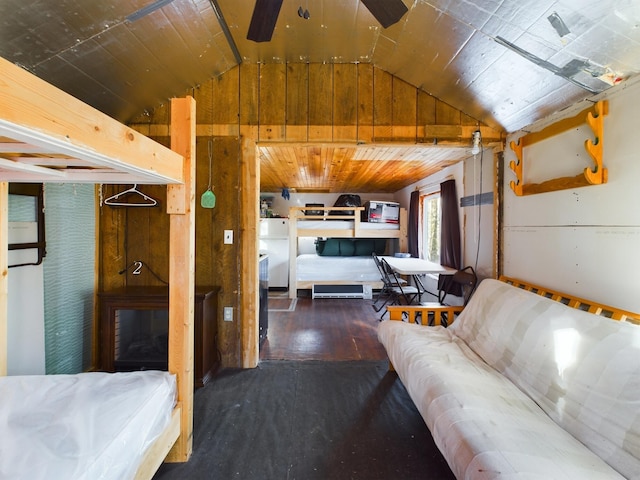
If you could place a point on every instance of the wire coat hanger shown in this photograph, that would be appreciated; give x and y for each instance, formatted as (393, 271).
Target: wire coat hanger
(147, 201)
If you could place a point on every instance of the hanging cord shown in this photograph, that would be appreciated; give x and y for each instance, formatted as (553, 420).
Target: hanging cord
(138, 264)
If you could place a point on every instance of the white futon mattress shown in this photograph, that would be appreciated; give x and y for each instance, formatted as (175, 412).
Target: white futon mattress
(85, 426)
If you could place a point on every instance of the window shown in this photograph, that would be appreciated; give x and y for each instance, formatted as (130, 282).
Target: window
(430, 231)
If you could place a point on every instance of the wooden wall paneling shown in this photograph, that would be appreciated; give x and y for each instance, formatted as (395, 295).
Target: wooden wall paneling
(365, 103)
(113, 255)
(248, 244)
(205, 274)
(138, 244)
(426, 115)
(249, 100)
(447, 127)
(226, 105)
(466, 120)
(297, 116)
(157, 256)
(404, 115)
(345, 102)
(225, 264)
(203, 96)
(272, 92)
(383, 106)
(446, 114)
(320, 102)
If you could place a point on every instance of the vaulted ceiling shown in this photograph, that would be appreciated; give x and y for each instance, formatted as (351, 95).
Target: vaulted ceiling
(506, 63)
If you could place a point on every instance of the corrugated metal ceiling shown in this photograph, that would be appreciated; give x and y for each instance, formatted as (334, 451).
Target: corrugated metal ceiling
(504, 62)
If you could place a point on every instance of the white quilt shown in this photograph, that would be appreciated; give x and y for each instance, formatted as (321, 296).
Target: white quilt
(479, 385)
(87, 426)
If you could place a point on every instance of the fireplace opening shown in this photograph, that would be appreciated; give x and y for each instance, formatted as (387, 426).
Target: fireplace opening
(141, 339)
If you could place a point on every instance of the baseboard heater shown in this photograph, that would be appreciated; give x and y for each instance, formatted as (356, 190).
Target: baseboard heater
(341, 291)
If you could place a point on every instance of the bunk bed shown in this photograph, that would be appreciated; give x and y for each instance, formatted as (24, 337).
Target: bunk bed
(48, 136)
(329, 275)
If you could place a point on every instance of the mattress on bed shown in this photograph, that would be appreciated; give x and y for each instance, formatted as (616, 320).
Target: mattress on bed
(344, 225)
(312, 267)
(86, 426)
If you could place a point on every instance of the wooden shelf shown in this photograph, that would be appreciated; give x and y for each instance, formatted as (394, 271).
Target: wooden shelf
(594, 118)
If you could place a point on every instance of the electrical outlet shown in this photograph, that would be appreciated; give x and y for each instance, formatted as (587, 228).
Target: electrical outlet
(228, 237)
(228, 314)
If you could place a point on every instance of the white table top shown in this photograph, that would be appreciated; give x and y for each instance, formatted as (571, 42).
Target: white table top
(416, 266)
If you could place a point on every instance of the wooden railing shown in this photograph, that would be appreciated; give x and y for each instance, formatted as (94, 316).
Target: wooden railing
(425, 314)
(439, 315)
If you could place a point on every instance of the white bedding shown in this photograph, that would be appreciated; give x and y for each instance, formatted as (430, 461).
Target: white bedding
(312, 267)
(86, 426)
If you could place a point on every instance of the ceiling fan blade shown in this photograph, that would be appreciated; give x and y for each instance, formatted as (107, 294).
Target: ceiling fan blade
(263, 20)
(387, 12)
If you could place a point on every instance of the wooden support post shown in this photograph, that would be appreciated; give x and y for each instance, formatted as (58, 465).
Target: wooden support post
(249, 293)
(4, 273)
(181, 207)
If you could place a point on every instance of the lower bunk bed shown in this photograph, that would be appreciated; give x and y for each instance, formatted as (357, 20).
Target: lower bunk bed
(337, 276)
(86, 426)
(96, 425)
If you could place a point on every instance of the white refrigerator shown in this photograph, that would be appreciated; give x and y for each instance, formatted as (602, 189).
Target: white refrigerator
(274, 240)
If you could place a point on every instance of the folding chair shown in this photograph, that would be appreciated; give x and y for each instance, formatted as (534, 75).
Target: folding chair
(395, 289)
(386, 294)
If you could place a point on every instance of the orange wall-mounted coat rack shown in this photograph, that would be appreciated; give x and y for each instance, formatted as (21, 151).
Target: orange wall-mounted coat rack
(594, 118)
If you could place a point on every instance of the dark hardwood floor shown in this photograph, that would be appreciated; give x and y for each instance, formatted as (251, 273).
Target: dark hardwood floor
(321, 329)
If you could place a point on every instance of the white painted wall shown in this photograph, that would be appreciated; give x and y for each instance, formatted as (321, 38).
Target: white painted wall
(583, 241)
(25, 325)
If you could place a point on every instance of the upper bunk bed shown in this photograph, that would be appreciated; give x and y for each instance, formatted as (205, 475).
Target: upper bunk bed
(309, 270)
(347, 225)
(49, 136)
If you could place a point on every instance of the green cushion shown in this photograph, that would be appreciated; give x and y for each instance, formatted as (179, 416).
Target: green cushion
(331, 248)
(347, 247)
(380, 245)
(364, 246)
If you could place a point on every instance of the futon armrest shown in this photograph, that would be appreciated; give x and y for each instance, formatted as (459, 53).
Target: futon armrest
(424, 314)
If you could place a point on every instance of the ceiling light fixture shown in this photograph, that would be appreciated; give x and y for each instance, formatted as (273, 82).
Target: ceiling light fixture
(477, 142)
